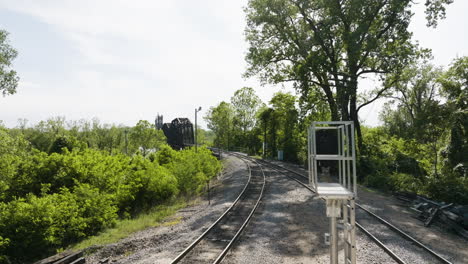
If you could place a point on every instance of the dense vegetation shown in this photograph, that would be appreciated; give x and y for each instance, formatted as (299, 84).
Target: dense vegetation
(422, 146)
(61, 183)
(325, 49)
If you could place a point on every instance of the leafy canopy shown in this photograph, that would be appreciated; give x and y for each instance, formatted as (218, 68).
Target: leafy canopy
(8, 78)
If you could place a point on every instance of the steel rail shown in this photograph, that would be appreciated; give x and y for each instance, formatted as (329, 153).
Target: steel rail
(226, 249)
(382, 245)
(236, 236)
(391, 226)
(196, 241)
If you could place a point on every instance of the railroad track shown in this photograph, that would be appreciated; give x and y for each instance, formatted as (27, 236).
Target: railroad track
(380, 233)
(215, 242)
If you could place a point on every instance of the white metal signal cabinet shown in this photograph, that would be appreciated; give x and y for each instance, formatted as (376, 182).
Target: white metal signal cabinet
(339, 190)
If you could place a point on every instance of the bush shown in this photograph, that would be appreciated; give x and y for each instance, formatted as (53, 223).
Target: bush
(144, 185)
(35, 226)
(48, 201)
(403, 182)
(193, 169)
(448, 188)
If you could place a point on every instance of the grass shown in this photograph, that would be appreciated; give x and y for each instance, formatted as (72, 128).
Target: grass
(126, 227)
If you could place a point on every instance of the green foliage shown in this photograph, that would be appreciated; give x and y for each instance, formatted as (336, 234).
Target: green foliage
(50, 200)
(449, 188)
(193, 169)
(35, 226)
(245, 104)
(455, 86)
(220, 121)
(326, 47)
(404, 182)
(418, 109)
(397, 164)
(8, 78)
(145, 137)
(391, 163)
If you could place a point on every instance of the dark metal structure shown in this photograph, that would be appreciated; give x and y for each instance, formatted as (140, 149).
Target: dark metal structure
(179, 132)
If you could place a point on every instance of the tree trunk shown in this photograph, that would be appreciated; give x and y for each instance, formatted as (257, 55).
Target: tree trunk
(354, 116)
(331, 103)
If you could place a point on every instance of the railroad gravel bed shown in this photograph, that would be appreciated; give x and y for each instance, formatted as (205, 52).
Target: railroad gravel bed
(289, 227)
(161, 244)
(453, 247)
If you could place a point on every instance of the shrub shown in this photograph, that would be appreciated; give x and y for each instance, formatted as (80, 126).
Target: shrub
(448, 188)
(35, 227)
(193, 169)
(144, 185)
(404, 182)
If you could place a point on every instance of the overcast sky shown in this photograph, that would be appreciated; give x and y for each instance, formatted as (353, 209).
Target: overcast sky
(122, 61)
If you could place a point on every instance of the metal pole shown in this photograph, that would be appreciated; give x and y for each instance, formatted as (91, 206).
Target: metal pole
(195, 133)
(209, 198)
(333, 242)
(196, 150)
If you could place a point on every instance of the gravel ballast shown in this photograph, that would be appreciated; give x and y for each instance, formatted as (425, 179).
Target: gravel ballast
(289, 227)
(451, 246)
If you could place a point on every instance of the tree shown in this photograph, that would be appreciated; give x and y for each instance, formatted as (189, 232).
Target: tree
(8, 78)
(419, 113)
(145, 136)
(245, 104)
(284, 106)
(220, 119)
(328, 45)
(455, 86)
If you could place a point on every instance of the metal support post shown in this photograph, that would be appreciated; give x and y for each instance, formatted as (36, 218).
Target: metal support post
(195, 136)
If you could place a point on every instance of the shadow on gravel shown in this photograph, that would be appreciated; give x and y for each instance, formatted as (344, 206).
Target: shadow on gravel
(290, 223)
(223, 194)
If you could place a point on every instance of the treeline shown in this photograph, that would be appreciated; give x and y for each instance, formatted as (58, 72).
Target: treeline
(60, 183)
(421, 147)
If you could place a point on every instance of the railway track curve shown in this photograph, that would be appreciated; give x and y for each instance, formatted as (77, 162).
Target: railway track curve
(213, 245)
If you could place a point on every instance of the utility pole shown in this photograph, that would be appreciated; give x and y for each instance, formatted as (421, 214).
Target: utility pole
(195, 140)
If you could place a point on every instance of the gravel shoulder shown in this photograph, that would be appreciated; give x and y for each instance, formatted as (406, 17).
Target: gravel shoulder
(163, 243)
(451, 246)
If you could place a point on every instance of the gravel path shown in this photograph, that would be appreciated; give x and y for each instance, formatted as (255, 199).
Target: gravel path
(163, 243)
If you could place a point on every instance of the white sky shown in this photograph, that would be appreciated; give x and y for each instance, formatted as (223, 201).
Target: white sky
(122, 61)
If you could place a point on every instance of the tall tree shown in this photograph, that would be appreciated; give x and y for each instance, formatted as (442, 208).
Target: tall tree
(417, 110)
(220, 119)
(455, 86)
(245, 104)
(8, 78)
(328, 45)
(284, 105)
